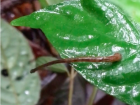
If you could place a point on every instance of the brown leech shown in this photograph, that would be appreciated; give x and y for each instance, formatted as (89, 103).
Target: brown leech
(114, 58)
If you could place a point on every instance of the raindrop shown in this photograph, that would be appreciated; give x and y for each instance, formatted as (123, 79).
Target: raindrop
(27, 92)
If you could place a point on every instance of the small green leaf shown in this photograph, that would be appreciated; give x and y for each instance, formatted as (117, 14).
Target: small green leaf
(51, 2)
(45, 3)
(60, 68)
(18, 87)
(132, 7)
(94, 28)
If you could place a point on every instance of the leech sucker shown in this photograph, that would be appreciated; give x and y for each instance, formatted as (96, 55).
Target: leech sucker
(114, 58)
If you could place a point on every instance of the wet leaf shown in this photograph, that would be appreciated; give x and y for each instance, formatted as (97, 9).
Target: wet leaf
(18, 87)
(60, 68)
(94, 28)
(132, 7)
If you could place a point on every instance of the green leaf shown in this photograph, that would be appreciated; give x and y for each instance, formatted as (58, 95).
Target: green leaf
(18, 87)
(45, 3)
(51, 2)
(94, 28)
(60, 68)
(132, 7)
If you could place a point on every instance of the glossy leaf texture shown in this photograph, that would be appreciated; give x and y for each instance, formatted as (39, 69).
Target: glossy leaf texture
(132, 7)
(94, 28)
(18, 86)
(60, 68)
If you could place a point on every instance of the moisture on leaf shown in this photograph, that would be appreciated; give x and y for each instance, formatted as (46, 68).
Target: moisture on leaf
(18, 87)
(94, 28)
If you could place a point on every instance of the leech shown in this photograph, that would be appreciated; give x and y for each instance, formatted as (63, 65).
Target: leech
(114, 58)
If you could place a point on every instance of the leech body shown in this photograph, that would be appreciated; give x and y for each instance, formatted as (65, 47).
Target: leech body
(114, 58)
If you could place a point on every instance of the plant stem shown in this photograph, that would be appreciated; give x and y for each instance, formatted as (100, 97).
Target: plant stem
(71, 87)
(68, 74)
(113, 58)
(92, 97)
(75, 74)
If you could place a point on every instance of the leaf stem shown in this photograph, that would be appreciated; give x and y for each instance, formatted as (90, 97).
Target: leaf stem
(114, 58)
(71, 87)
(92, 97)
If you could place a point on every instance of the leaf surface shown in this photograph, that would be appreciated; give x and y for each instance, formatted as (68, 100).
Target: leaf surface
(51, 2)
(45, 3)
(132, 7)
(94, 28)
(18, 87)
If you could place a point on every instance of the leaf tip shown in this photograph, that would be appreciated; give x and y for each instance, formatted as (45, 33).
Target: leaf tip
(15, 22)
